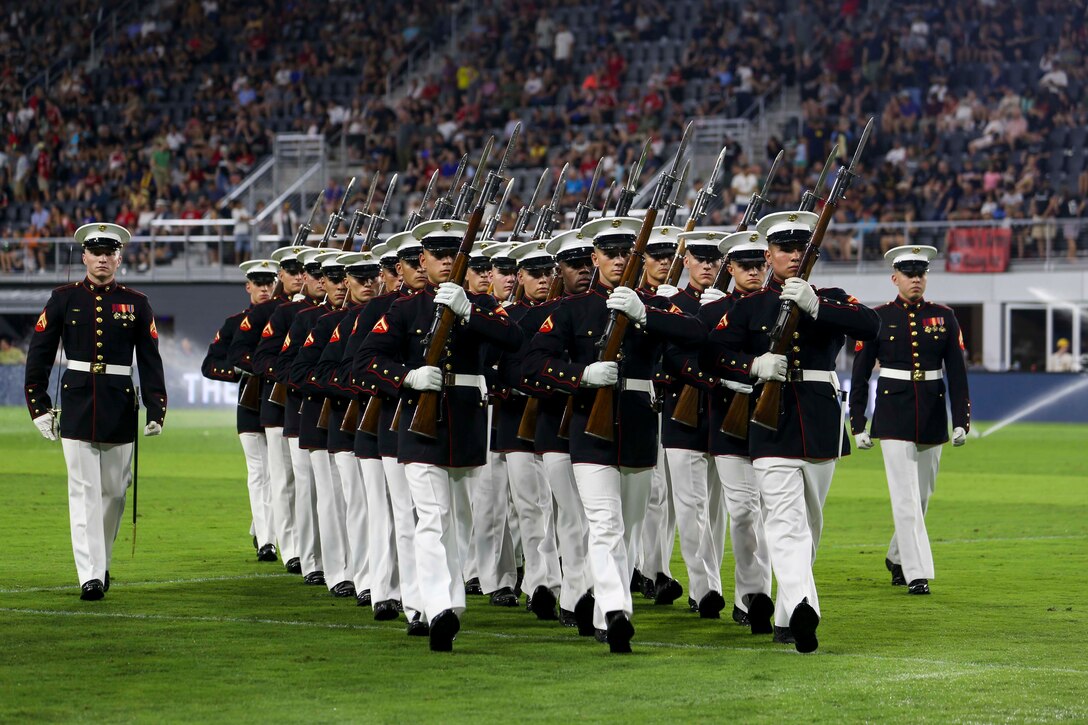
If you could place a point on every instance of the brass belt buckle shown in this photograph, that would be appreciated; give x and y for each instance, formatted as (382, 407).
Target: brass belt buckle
(98, 368)
(917, 375)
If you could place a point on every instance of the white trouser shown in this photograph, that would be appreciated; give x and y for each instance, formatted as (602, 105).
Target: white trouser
(463, 521)
(686, 472)
(533, 503)
(912, 476)
(791, 490)
(438, 548)
(752, 569)
(380, 544)
(260, 504)
(491, 539)
(356, 518)
(657, 535)
(404, 534)
(571, 528)
(513, 530)
(330, 517)
(281, 492)
(306, 519)
(614, 499)
(98, 477)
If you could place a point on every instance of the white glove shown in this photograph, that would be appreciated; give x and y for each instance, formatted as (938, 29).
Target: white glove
(737, 387)
(625, 300)
(799, 291)
(600, 374)
(453, 296)
(959, 436)
(667, 290)
(152, 429)
(709, 295)
(47, 425)
(864, 441)
(427, 377)
(769, 366)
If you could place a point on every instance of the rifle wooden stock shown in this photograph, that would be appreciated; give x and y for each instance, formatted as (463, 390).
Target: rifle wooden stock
(601, 419)
(394, 425)
(686, 411)
(278, 396)
(351, 417)
(250, 398)
(425, 420)
(323, 416)
(677, 266)
(527, 427)
(371, 415)
(736, 418)
(564, 422)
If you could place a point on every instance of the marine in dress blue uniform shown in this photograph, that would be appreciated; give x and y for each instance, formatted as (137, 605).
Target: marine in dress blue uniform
(100, 324)
(917, 339)
(434, 467)
(613, 478)
(795, 463)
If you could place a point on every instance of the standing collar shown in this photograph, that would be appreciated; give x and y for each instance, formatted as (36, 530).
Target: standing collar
(99, 289)
(910, 306)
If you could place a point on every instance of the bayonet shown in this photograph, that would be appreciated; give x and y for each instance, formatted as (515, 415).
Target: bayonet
(581, 212)
(526, 214)
(469, 190)
(496, 218)
(810, 197)
(665, 185)
(337, 216)
(545, 223)
(702, 201)
(671, 207)
(755, 204)
(377, 220)
(608, 199)
(627, 193)
(303, 233)
(415, 217)
(494, 178)
(444, 204)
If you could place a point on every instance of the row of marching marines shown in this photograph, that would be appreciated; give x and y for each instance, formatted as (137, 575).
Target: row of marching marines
(441, 414)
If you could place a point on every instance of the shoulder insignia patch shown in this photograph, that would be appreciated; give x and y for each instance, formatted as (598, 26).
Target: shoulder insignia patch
(859, 346)
(335, 334)
(380, 327)
(962, 346)
(245, 326)
(41, 324)
(286, 342)
(547, 326)
(500, 310)
(675, 310)
(354, 325)
(216, 337)
(723, 323)
(309, 340)
(267, 331)
(852, 299)
(154, 331)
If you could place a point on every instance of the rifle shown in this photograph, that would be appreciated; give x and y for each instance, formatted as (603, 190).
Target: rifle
(629, 190)
(466, 198)
(444, 204)
(671, 207)
(495, 219)
(789, 315)
(526, 213)
(546, 219)
(735, 423)
(581, 212)
(425, 420)
(601, 421)
(250, 397)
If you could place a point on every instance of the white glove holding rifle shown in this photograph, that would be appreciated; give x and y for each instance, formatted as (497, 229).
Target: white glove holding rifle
(47, 425)
(800, 292)
(769, 366)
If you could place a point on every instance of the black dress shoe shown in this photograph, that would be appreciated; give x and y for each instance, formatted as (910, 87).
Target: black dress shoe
(918, 586)
(417, 627)
(399, 605)
(760, 612)
(255, 544)
(518, 581)
(106, 585)
(362, 598)
(693, 605)
(294, 566)
(343, 589)
(898, 580)
(266, 553)
(314, 578)
(528, 604)
(444, 629)
(600, 635)
(649, 588)
(385, 611)
(92, 590)
(783, 635)
(711, 605)
(567, 618)
(503, 597)
(583, 614)
(741, 617)
(636, 582)
(667, 590)
(803, 624)
(472, 587)
(543, 604)
(620, 632)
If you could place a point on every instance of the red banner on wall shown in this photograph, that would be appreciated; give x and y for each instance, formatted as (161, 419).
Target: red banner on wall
(978, 249)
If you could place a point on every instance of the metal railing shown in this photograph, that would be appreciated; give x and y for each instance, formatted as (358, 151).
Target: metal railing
(208, 249)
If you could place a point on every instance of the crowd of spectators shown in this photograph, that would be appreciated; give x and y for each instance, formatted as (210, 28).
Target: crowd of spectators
(979, 106)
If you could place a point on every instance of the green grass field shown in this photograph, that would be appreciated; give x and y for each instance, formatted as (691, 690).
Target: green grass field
(195, 630)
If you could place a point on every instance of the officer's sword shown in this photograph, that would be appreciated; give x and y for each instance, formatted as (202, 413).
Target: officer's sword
(135, 468)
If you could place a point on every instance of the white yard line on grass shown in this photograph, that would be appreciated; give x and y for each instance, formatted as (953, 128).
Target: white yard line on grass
(995, 539)
(952, 667)
(154, 582)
